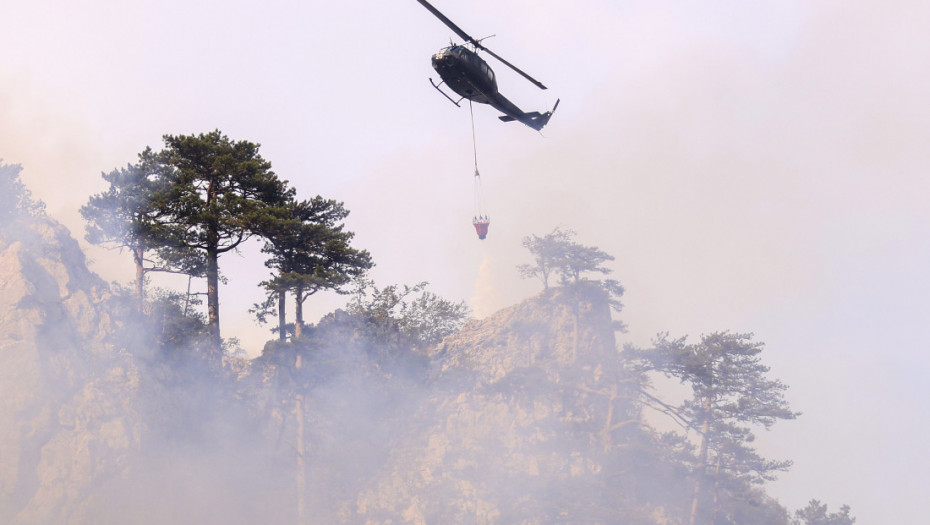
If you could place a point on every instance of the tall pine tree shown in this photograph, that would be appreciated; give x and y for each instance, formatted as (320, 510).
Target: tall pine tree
(310, 251)
(730, 394)
(222, 191)
(131, 215)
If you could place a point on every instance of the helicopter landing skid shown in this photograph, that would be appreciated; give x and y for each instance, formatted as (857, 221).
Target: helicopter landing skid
(435, 85)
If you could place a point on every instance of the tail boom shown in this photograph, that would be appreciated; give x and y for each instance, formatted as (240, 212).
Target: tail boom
(533, 119)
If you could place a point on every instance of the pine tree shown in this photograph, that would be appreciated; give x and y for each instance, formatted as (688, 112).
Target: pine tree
(730, 394)
(557, 253)
(221, 192)
(816, 514)
(548, 251)
(310, 251)
(131, 215)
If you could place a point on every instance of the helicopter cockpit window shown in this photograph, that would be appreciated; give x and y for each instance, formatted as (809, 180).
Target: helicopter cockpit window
(488, 72)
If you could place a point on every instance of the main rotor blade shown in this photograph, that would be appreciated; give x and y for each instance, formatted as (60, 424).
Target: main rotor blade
(450, 23)
(513, 67)
(477, 43)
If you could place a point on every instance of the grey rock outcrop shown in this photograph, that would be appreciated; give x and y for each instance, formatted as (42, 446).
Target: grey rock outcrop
(67, 424)
(566, 330)
(518, 424)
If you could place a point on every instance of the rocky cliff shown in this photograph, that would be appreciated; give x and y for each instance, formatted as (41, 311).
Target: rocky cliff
(67, 420)
(519, 422)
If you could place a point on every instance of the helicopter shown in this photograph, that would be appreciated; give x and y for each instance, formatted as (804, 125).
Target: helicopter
(469, 76)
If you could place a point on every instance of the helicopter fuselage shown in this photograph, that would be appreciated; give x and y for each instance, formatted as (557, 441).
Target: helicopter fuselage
(469, 76)
(466, 73)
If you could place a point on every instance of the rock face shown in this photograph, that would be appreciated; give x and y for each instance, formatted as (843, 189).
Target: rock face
(67, 423)
(519, 424)
(564, 331)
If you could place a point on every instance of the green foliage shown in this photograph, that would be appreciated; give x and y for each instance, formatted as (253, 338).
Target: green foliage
(125, 215)
(310, 251)
(15, 199)
(181, 208)
(221, 190)
(204, 195)
(816, 514)
(131, 214)
(220, 194)
(421, 315)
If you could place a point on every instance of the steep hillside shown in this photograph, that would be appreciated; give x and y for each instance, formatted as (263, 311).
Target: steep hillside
(67, 420)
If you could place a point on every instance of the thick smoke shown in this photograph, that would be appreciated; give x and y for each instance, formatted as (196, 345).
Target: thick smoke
(112, 416)
(115, 417)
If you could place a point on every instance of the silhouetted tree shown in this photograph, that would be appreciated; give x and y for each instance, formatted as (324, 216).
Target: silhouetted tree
(15, 198)
(816, 514)
(310, 251)
(548, 253)
(419, 314)
(220, 193)
(132, 214)
(730, 393)
(557, 253)
(578, 260)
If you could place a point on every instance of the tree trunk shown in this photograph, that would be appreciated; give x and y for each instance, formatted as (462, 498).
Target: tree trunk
(213, 270)
(298, 313)
(301, 468)
(140, 277)
(282, 319)
(702, 462)
(213, 296)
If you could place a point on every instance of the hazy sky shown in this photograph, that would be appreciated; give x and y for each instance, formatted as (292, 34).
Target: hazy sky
(753, 166)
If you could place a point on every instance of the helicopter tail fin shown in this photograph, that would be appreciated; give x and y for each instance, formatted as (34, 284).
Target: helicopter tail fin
(534, 119)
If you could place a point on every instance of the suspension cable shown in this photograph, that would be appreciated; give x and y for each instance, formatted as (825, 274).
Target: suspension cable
(474, 141)
(480, 213)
